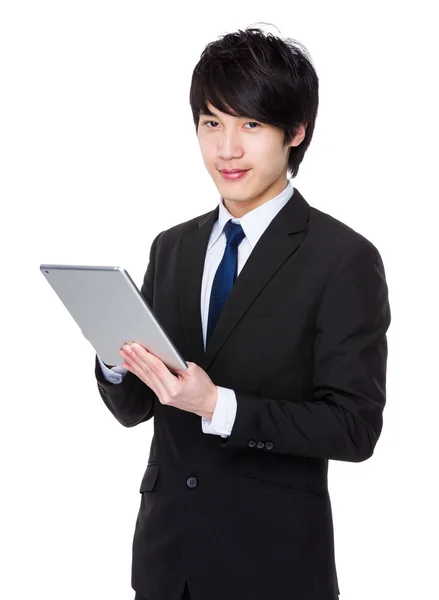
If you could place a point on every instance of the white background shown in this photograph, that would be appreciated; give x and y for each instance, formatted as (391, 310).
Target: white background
(98, 155)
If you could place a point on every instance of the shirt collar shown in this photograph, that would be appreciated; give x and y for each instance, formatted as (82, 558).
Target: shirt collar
(255, 222)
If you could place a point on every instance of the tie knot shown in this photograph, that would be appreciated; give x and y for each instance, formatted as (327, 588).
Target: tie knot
(234, 233)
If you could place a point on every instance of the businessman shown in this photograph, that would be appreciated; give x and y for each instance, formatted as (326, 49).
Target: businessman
(281, 312)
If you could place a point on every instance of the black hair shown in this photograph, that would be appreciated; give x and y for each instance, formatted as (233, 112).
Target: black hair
(248, 73)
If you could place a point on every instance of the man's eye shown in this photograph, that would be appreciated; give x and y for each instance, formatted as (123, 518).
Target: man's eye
(252, 122)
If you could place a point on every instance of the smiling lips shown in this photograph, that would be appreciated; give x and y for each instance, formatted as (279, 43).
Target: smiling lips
(233, 174)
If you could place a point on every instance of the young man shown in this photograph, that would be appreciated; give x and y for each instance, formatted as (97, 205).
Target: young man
(284, 331)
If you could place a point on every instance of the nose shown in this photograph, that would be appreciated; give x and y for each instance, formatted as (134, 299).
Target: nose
(229, 146)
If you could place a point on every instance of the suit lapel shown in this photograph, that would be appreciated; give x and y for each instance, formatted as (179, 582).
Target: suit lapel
(190, 274)
(281, 238)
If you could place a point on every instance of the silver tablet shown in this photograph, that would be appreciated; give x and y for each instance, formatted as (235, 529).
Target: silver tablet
(110, 310)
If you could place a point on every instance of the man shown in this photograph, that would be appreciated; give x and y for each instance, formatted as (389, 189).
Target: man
(281, 313)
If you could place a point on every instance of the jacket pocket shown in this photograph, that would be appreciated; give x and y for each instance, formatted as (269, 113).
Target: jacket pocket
(286, 486)
(150, 478)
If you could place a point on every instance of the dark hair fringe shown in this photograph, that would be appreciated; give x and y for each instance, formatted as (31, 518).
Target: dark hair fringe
(253, 74)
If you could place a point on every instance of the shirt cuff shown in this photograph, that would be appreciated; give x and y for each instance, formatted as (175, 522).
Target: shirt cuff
(113, 375)
(224, 414)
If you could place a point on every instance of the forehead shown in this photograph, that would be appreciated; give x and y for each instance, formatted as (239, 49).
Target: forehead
(212, 111)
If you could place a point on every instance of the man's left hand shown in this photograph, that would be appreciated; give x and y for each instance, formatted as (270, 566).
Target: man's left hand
(192, 390)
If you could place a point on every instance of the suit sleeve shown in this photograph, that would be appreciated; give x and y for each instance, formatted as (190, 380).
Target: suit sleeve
(341, 418)
(131, 401)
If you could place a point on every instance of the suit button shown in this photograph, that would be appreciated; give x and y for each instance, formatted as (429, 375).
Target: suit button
(261, 445)
(252, 443)
(269, 445)
(192, 482)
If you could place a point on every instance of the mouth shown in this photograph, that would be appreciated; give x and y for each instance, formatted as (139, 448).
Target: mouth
(234, 174)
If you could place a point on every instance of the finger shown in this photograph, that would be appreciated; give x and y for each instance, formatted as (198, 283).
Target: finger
(138, 366)
(145, 368)
(157, 370)
(129, 354)
(142, 359)
(148, 377)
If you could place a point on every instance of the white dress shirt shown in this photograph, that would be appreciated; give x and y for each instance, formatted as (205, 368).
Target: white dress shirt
(254, 223)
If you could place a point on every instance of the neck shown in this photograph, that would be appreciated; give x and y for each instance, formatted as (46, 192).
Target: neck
(238, 208)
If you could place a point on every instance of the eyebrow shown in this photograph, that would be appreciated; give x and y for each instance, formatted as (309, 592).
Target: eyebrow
(209, 113)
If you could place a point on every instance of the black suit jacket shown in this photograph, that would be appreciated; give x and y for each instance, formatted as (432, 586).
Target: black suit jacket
(302, 341)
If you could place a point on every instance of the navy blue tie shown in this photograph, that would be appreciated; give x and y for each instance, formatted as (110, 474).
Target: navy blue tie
(225, 275)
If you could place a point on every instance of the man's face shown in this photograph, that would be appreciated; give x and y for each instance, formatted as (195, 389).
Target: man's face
(228, 142)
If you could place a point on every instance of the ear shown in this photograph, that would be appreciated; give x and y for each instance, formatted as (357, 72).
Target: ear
(299, 135)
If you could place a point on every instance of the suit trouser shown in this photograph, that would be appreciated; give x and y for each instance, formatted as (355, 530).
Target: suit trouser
(184, 597)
